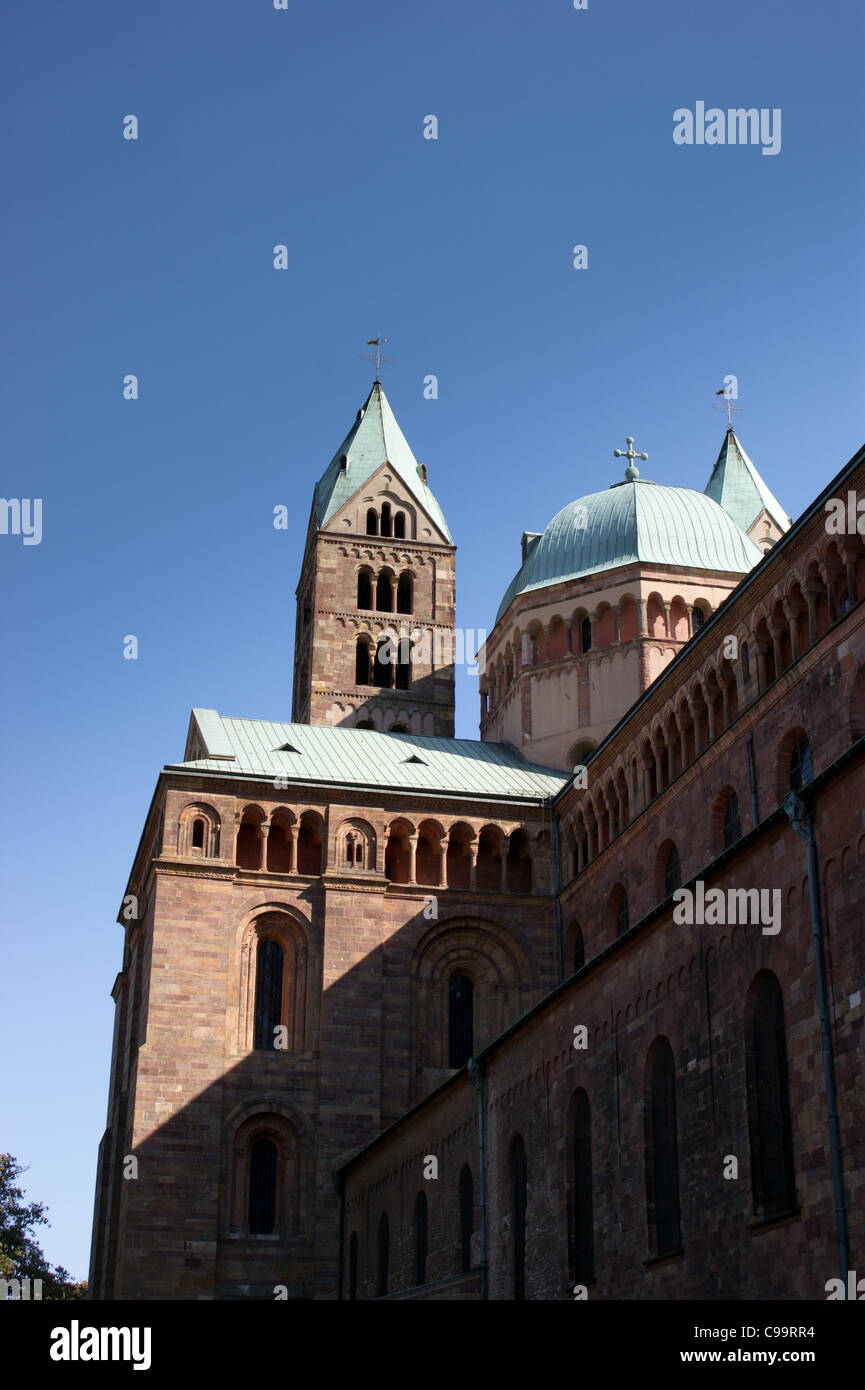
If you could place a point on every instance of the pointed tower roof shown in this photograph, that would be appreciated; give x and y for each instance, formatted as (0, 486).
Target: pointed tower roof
(374, 439)
(738, 487)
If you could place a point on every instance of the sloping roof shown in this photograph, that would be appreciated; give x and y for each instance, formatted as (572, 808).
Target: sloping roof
(634, 521)
(737, 486)
(366, 758)
(374, 438)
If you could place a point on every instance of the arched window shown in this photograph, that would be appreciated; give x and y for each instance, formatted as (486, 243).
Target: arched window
(309, 845)
(461, 993)
(399, 526)
(397, 729)
(699, 617)
(662, 1151)
(364, 724)
(198, 833)
(384, 592)
(420, 1238)
(372, 522)
(466, 1216)
(404, 594)
(352, 1266)
(382, 673)
(403, 664)
(581, 1238)
(385, 519)
(673, 871)
(579, 949)
(361, 662)
(732, 822)
(269, 964)
(770, 1128)
(364, 590)
(586, 635)
(262, 1187)
(519, 1199)
(383, 1255)
(801, 766)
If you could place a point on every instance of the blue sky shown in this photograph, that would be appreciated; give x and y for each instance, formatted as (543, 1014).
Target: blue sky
(304, 127)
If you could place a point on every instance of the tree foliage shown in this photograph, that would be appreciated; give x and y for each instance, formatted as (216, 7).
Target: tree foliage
(21, 1256)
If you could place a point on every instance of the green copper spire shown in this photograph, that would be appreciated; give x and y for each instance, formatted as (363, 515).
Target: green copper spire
(736, 485)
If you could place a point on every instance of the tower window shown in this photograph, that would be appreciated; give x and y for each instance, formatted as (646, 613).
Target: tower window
(586, 635)
(662, 1156)
(403, 665)
(364, 590)
(262, 1187)
(385, 519)
(460, 1020)
(383, 1255)
(384, 592)
(769, 1122)
(466, 1216)
(404, 594)
(673, 872)
(269, 962)
(198, 834)
(732, 822)
(372, 522)
(362, 662)
(520, 1192)
(801, 765)
(420, 1237)
(699, 617)
(399, 526)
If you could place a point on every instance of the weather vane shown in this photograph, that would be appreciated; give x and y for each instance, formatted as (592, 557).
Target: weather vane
(727, 405)
(378, 358)
(631, 471)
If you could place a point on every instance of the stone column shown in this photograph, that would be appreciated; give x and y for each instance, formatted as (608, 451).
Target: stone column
(292, 848)
(667, 627)
(264, 828)
(443, 861)
(642, 625)
(473, 861)
(412, 858)
(790, 615)
(689, 615)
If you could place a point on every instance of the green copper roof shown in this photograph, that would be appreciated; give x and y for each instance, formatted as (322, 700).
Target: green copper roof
(634, 521)
(364, 758)
(738, 487)
(374, 438)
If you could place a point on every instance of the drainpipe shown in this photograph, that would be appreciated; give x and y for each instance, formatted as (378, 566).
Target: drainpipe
(752, 774)
(560, 945)
(802, 819)
(339, 1183)
(476, 1077)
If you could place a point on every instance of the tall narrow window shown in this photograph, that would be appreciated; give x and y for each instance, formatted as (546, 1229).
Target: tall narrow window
(519, 1191)
(769, 1123)
(404, 594)
(385, 519)
(466, 1216)
(732, 822)
(673, 871)
(364, 590)
(399, 526)
(579, 949)
(801, 766)
(662, 1151)
(586, 635)
(403, 665)
(383, 1255)
(372, 522)
(198, 834)
(460, 1020)
(420, 1238)
(384, 592)
(262, 1187)
(268, 993)
(382, 672)
(580, 1205)
(352, 1266)
(362, 662)
(699, 617)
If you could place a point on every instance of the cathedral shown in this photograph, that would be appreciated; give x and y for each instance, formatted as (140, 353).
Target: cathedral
(573, 1010)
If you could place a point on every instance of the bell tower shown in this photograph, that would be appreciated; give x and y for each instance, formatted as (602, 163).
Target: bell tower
(374, 640)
